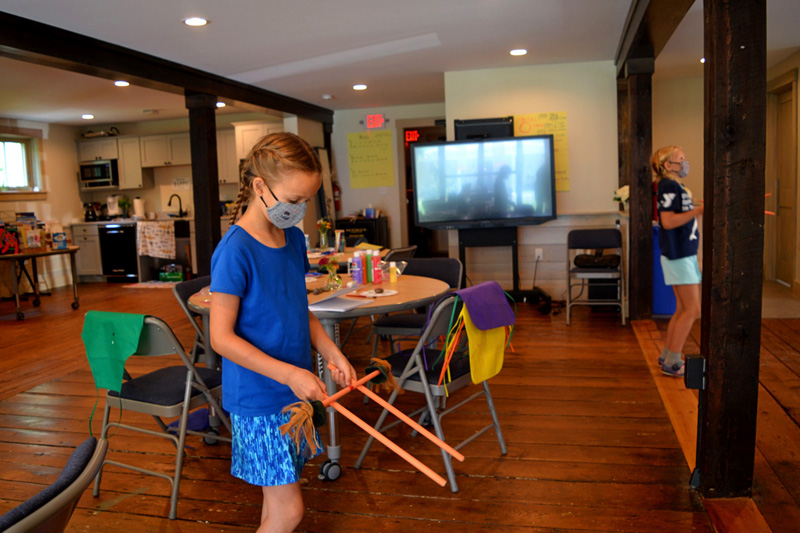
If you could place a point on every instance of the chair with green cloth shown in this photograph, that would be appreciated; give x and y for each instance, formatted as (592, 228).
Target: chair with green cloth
(169, 392)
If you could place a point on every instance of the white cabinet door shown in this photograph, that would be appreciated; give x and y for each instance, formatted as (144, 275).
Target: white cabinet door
(227, 163)
(87, 260)
(130, 164)
(248, 135)
(96, 149)
(165, 150)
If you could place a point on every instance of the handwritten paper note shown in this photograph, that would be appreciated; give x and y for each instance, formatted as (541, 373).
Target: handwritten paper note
(556, 124)
(371, 159)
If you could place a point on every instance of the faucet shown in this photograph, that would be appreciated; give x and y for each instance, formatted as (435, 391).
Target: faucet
(181, 212)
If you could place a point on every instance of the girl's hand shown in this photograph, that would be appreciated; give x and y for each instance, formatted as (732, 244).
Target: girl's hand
(342, 371)
(307, 386)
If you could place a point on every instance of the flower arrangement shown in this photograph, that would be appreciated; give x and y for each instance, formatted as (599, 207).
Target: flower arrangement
(622, 194)
(330, 264)
(323, 226)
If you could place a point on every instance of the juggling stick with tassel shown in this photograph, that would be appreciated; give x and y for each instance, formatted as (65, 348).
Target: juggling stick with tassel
(304, 415)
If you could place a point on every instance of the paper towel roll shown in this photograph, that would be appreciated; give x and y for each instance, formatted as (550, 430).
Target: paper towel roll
(138, 208)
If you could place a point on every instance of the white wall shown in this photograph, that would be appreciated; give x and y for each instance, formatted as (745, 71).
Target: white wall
(62, 204)
(390, 200)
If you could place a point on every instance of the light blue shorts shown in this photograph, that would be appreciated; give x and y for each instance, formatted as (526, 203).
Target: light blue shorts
(683, 271)
(261, 456)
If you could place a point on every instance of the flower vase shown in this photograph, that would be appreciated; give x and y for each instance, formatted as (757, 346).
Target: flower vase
(334, 282)
(323, 240)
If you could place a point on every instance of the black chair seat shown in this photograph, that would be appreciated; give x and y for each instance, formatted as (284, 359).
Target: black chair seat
(459, 365)
(165, 386)
(402, 320)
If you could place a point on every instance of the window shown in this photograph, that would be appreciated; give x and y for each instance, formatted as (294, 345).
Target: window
(20, 169)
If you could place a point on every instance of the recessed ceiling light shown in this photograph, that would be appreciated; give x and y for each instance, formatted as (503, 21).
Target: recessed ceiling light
(359, 87)
(121, 83)
(195, 21)
(518, 52)
(327, 97)
(87, 116)
(702, 59)
(220, 104)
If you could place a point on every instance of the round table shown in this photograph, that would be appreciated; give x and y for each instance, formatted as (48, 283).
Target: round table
(412, 292)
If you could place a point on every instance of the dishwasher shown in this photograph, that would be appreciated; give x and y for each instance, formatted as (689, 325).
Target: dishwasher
(118, 251)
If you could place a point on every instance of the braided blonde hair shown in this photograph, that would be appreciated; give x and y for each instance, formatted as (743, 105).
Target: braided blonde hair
(658, 159)
(272, 156)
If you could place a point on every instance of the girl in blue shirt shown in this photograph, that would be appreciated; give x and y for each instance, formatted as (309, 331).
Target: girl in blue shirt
(679, 240)
(261, 325)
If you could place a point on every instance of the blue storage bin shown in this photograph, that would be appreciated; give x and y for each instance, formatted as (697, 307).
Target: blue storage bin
(663, 295)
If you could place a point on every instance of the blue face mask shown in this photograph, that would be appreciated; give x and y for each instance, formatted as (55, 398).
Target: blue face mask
(284, 215)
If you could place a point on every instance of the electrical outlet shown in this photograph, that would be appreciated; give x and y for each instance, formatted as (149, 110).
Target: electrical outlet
(538, 254)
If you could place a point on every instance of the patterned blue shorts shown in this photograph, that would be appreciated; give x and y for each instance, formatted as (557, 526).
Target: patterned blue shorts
(260, 455)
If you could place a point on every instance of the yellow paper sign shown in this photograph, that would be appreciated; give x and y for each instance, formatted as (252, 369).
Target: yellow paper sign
(371, 159)
(555, 124)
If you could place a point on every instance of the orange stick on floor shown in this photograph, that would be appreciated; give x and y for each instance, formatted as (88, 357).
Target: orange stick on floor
(389, 444)
(402, 416)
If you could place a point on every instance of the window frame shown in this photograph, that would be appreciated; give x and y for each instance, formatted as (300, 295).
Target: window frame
(32, 138)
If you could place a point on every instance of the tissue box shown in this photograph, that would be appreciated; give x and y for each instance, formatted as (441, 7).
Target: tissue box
(170, 276)
(60, 241)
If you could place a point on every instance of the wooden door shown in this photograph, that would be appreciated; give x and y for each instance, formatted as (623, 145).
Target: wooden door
(786, 190)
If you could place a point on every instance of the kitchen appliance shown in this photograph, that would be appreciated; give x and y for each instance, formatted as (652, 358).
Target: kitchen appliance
(89, 214)
(99, 175)
(118, 251)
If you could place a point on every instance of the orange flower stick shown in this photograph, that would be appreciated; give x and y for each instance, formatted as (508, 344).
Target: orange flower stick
(402, 416)
(354, 385)
(389, 444)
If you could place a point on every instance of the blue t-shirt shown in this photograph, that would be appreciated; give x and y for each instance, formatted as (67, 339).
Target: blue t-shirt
(682, 241)
(273, 314)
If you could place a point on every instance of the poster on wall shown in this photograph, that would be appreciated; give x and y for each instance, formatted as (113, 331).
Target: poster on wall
(544, 123)
(371, 159)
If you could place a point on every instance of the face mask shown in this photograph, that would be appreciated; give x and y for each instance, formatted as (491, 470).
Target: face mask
(282, 214)
(684, 171)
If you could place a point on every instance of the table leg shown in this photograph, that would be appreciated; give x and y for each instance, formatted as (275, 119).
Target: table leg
(330, 469)
(35, 282)
(15, 283)
(73, 273)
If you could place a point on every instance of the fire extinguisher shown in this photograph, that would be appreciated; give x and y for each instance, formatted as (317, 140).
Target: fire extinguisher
(337, 196)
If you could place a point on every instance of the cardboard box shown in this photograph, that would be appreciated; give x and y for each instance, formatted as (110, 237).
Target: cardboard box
(60, 241)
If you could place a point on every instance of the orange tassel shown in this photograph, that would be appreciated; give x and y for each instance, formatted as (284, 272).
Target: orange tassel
(386, 369)
(300, 427)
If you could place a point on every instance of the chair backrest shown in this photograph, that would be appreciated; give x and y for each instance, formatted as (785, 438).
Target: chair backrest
(396, 254)
(157, 338)
(51, 509)
(184, 290)
(441, 315)
(594, 238)
(447, 269)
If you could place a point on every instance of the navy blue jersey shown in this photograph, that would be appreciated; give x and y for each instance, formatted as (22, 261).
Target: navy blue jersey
(682, 241)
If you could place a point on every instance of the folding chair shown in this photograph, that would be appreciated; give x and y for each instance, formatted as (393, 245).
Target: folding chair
(168, 392)
(50, 510)
(182, 292)
(409, 368)
(410, 324)
(598, 271)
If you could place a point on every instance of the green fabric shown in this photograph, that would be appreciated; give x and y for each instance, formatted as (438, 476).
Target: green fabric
(110, 338)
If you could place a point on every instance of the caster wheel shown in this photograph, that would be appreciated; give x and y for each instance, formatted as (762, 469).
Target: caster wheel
(36, 302)
(211, 437)
(75, 305)
(545, 308)
(330, 471)
(20, 315)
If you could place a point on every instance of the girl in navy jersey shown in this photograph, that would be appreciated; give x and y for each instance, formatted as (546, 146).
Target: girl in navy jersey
(679, 239)
(261, 325)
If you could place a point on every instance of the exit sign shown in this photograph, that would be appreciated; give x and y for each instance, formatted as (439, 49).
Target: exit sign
(412, 136)
(375, 121)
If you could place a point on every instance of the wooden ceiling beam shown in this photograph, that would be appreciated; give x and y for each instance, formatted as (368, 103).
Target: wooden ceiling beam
(32, 41)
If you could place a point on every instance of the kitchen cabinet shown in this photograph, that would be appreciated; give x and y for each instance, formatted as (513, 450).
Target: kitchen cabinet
(87, 260)
(165, 150)
(248, 133)
(129, 165)
(227, 162)
(97, 149)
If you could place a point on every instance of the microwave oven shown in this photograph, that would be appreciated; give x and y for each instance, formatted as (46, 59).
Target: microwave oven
(99, 174)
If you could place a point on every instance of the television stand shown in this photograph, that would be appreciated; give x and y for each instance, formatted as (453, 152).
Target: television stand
(503, 236)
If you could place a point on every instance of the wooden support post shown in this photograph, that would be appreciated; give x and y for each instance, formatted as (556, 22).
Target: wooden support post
(733, 242)
(640, 140)
(205, 177)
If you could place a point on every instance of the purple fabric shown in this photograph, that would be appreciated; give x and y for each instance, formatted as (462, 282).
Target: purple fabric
(487, 305)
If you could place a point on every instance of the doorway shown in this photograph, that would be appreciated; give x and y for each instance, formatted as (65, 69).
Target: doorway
(781, 181)
(429, 243)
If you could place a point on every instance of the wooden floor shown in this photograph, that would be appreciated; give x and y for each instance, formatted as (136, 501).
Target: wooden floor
(590, 444)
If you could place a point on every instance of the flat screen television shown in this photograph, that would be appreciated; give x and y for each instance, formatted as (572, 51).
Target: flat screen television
(484, 183)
